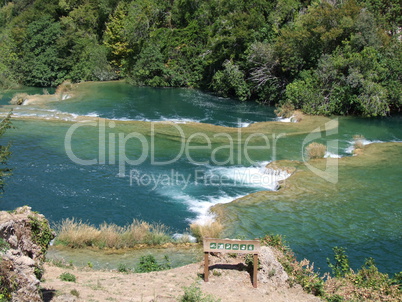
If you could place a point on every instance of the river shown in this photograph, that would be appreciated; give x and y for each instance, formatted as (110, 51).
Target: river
(98, 170)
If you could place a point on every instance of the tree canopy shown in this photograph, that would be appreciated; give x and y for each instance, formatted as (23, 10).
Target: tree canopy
(324, 57)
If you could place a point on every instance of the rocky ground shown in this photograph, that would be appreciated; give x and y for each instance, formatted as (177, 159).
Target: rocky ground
(229, 280)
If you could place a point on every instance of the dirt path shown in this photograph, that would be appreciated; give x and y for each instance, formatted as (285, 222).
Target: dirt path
(227, 284)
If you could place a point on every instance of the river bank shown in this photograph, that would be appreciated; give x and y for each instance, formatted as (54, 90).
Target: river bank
(230, 285)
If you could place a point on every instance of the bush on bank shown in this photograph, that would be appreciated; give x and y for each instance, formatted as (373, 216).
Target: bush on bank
(344, 284)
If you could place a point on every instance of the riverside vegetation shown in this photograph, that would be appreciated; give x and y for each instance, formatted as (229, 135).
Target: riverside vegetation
(77, 234)
(323, 57)
(344, 284)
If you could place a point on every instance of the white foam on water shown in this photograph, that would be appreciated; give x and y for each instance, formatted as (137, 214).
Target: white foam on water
(161, 120)
(202, 207)
(177, 120)
(243, 124)
(255, 176)
(21, 114)
(286, 120)
(123, 119)
(364, 143)
(331, 155)
(178, 237)
(92, 114)
(46, 114)
(258, 177)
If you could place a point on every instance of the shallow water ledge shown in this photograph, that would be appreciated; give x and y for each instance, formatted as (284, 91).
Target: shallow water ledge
(305, 185)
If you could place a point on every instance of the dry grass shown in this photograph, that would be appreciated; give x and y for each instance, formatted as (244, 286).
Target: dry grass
(297, 116)
(285, 111)
(316, 150)
(63, 89)
(77, 234)
(211, 229)
(19, 99)
(358, 142)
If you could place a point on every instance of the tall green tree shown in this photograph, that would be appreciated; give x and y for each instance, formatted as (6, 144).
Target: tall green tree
(116, 39)
(41, 63)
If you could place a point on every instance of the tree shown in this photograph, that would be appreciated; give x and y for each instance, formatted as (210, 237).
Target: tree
(345, 82)
(230, 82)
(116, 39)
(150, 69)
(40, 63)
(388, 13)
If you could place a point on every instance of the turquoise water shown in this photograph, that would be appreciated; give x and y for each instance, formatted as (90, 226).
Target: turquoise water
(123, 102)
(363, 212)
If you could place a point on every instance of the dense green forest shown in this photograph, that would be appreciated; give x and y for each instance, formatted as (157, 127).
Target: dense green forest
(324, 57)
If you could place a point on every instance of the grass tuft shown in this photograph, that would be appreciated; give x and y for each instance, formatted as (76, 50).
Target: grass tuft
(194, 294)
(63, 89)
(68, 277)
(77, 234)
(213, 229)
(358, 144)
(316, 150)
(19, 99)
(286, 110)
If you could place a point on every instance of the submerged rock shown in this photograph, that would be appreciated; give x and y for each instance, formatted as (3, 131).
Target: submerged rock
(25, 238)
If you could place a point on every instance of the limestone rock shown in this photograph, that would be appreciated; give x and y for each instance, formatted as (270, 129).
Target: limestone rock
(271, 272)
(27, 235)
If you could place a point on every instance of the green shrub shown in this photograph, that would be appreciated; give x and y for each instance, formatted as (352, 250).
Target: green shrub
(367, 284)
(42, 234)
(216, 273)
(148, 263)
(231, 82)
(122, 268)
(38, 271)
(67, 277)
(397, 280)
(75, 292)
(335, 298)
(249, 261)
(4, 245)
(341, 266)
(194, 294)
(369, 277)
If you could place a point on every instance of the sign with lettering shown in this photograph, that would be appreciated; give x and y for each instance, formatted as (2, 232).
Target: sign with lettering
(231, 246)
